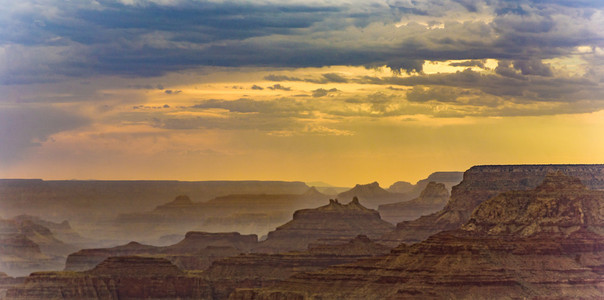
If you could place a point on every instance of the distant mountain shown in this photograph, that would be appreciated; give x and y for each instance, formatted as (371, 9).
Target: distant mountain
(95, 201)
(371, 194)
(246, 213)
(401, 187)
(26, 247)
(449, 179)
(432, 199)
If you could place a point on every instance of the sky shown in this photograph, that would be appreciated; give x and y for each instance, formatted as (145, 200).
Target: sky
(340, 91)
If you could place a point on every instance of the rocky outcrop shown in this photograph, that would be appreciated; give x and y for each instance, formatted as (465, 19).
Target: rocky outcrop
(127, 277)
(333, 221)
(264, 270)
(195, 252)
(543, 243)
(433, 198)
(560, 205)
(481, 183)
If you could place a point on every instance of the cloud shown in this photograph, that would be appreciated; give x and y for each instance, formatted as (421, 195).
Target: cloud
(508, 82)
(325, 78)
(321, 92)
(53, 40)
(469, 63)
(279, 87)
(24, 127)
(256, 87)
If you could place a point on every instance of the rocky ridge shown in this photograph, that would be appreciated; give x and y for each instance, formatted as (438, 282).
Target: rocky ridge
(540, 243)
(195, 252)
(481, 183)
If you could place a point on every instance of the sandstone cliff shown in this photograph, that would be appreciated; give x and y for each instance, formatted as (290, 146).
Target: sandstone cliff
(264, 270)
(433, 198)
(543, 243)
(481, 183)
(332, 221)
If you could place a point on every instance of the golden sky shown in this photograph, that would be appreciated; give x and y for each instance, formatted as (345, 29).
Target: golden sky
(334, 91)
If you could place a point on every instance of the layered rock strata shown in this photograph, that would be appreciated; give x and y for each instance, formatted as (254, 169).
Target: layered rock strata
(128, 277)
(544, 243)
(264, 270)
(481, 183)
(333, 221)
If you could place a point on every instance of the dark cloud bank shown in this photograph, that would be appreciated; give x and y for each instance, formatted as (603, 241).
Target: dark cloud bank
(83, 39)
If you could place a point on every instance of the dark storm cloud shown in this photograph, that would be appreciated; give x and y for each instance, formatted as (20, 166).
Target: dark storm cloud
(54, 39)
(24, 127)
(508, 82)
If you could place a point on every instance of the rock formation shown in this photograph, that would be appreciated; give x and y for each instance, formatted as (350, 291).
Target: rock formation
(544, 243)
(239, 212)
(481, 183)
(26, 247)
(401, 187)
(263, 270)
(433, 198)
(96, 203)
(128, 277)
(62, 231)
(371, 194)
(449, 179)
(333, 221)
(195, 252)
